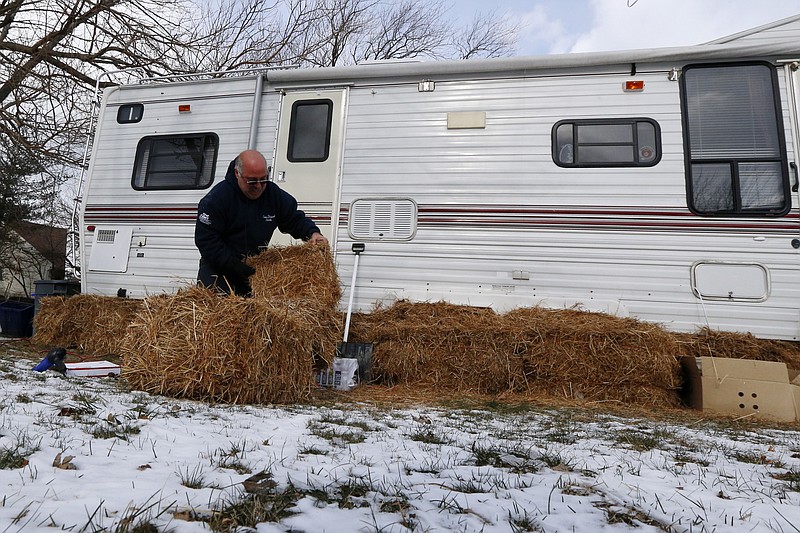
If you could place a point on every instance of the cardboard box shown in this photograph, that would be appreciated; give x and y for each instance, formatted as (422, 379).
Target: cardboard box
(96, 369)
(741, 387)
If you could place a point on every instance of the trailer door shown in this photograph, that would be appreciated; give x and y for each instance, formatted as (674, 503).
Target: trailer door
(308, 154)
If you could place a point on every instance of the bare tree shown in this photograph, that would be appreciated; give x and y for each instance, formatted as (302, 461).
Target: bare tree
(239, 34)
(487, 36)
(337, 24)
(353, 31)
(410, 28)
(49, 49)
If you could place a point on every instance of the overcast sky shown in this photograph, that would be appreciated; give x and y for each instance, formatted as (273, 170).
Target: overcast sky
(559, 26)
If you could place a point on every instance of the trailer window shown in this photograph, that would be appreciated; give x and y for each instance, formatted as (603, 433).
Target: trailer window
(734, 143)
(175, 162)
(632, 142)
(310, 131)
(130, 113)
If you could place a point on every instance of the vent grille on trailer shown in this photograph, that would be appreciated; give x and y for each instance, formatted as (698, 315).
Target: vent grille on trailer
(105, 236)
(385, 219)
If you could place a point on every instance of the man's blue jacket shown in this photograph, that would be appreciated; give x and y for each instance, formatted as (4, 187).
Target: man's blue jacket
(231, 226)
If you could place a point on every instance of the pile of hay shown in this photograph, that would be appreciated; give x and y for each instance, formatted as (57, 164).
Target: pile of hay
(95, 324)
(568, 353)
(203, 346)
(593, 356)
(452, 347)
(304, 272)
(199, 344)
(707, 342)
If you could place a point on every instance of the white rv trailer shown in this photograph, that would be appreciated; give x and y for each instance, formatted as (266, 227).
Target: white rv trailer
(659, 184)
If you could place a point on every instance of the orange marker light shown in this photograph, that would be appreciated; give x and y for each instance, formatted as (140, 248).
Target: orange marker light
(636, 85)
(184, 108)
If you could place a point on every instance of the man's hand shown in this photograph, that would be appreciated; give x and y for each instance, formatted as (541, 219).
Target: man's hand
(241, 269)
(317, 238)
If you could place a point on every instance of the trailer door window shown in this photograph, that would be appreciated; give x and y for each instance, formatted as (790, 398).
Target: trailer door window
(630, 142)
(734, 143)
(310, 131)
(175, 162)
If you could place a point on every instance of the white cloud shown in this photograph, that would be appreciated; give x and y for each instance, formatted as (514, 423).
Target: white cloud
(540, 31)
(655, 23)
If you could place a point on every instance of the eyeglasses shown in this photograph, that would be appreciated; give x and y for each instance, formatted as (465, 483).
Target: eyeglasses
(256, 182)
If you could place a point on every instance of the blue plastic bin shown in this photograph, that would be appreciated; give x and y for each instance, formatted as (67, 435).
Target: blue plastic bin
(16, 319)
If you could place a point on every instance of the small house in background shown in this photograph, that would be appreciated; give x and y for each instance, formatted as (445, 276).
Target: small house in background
(30, 252)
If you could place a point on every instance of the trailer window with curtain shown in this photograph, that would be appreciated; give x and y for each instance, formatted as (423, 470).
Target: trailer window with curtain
(174, 162)
(733, 138)
(619, 142)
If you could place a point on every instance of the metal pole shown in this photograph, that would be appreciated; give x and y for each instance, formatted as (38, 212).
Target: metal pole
(350, 301)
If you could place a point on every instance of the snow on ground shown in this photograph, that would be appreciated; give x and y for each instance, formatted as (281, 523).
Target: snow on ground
(81, 454)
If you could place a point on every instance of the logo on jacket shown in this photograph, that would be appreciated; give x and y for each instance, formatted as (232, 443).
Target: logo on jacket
(269, 218)
(205, 218)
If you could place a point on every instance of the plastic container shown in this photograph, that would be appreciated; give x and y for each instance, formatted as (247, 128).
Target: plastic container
(16, 319)
(53, 287)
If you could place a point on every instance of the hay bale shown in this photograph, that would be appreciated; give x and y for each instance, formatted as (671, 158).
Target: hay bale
(711, 343)
(435, 344)
(570, 353)
(94, 324)
(602, 356)
(303, 272)
(204, 346)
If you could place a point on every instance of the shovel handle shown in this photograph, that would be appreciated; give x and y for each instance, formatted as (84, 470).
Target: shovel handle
(350, 300)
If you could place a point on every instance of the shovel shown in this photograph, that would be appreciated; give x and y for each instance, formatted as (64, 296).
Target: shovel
(356, 350)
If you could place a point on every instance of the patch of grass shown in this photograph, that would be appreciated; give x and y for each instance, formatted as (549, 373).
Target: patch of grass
(517, 460)
(428, 435)
(142, 409)
(16, 455)
(329, 418)
(486, 456)
(193, 479)
(755, 458)
(522, 522)
(395, 505)
(86, 401)
(640, 440)
(11, 458)
(468, 486)
(563, 428)
(627, 516)
(791, 479)
(351, 492)
(108, 430)
(335, 434)
(401, 506)
(234, 464)
(24, 398)
(249, 510)
(141, 519)
(232, 458)
(556, 460)
(311, 450)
